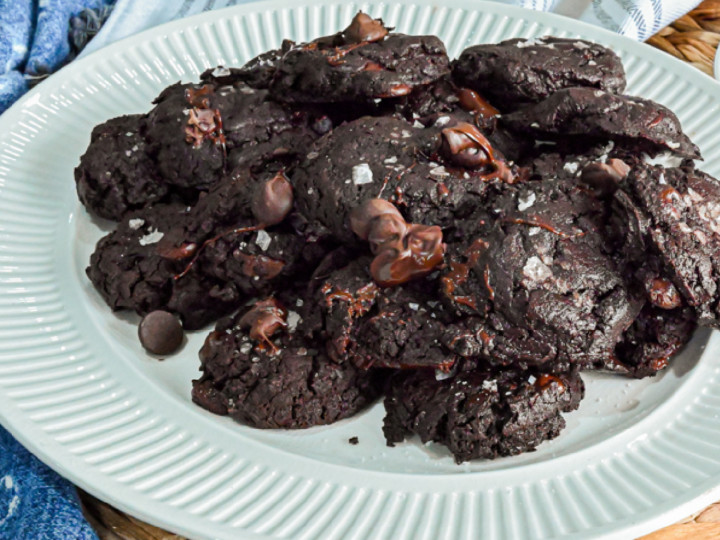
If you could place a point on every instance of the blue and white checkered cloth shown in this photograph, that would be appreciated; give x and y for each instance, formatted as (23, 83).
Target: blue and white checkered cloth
(36, 39)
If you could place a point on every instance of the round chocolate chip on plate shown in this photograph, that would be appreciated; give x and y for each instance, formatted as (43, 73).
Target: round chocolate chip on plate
(160, 332)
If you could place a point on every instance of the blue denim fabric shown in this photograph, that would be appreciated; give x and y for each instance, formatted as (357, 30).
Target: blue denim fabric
(35, 502)
(34, 40)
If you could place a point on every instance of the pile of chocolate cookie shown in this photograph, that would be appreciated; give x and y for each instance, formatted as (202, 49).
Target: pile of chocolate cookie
(363, 216)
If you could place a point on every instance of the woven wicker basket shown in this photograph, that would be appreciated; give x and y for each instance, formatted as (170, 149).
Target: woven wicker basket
(692, 38)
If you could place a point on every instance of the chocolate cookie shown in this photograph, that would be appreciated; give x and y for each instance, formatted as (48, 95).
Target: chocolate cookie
(414, 168)
(516, 72)
(543, 289)
(677, 217)
(126, 267)
(654, 338)
(115, 175)
(361, 63)
(291, 385)
(596, 114)
(480, 413)
(197, 133)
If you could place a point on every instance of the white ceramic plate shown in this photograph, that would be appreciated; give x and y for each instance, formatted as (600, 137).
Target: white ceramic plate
(77, 389)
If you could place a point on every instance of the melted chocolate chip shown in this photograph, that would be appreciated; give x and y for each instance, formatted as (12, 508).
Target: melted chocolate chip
(362, 217)
(176, 253)
(465, 145)
(264, 319)
(663, 294)
(422, 251)
(199, 97)
(403, 251)
(387, 231)
(364, 28)
(471, 101)
(160, 332)
(605, 177)
(273, 200)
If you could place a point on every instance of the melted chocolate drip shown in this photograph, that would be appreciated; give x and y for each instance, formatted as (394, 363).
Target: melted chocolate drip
(264, 319)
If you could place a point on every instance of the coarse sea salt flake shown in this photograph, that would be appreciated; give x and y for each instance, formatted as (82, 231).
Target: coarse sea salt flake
(413, 306)
(362, 174)
(490, 385)
(526, 202)
(293, 319)
(528, 43)
(136, 223)
(442, 120)
(536, 270)
(417, 124)
(570, 167)
(220, 71)
(391, 159)
(263, 240)
(152, 237)
(439, 171)
(665, 159)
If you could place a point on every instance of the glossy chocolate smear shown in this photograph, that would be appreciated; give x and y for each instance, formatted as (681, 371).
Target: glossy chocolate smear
(364, 28)
(472, 102)
(199, 97)
(264, 319)
(403, 251)
(465, 145)
(273, 200)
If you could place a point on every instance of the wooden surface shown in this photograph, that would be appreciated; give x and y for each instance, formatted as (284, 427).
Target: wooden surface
(692, 38)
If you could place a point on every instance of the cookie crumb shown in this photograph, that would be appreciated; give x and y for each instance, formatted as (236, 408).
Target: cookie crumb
(353, 440)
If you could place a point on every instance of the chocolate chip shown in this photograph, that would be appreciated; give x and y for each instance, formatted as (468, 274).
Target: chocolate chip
(471, 101)
(322, 125)
(421, 251)
(353, 440)
(663, 294)
(273, 200)
(365, 28)
(465, 145)
(605, 177)
(402, 251)
(386, 231)
(264, 319)
(160, 332)
(199, 97)
(362, 216)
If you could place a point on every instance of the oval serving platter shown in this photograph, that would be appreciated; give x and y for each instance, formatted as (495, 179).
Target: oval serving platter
(78, 390)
